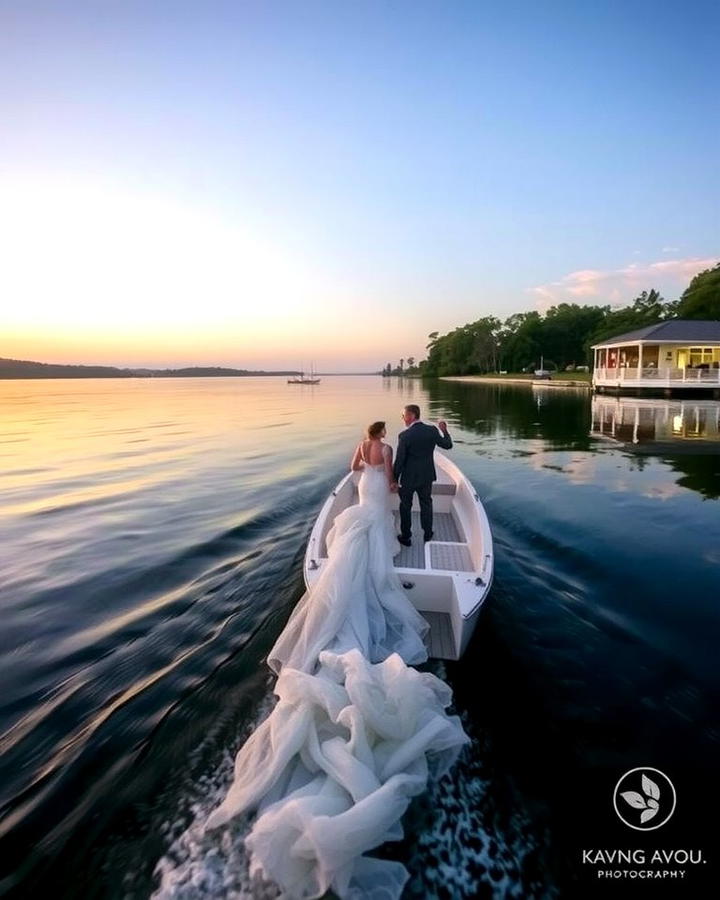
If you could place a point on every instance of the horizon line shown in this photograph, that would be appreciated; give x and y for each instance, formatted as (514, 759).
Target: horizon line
(140, 370)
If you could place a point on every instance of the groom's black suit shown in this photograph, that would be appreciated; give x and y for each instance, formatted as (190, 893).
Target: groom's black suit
(414, 469)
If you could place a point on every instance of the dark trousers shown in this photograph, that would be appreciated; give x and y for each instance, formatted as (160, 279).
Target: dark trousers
(424, 492)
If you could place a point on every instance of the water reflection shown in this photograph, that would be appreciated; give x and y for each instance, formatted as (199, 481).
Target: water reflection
(561, 417)
(541, 425)
(685, 434)
(634, 420)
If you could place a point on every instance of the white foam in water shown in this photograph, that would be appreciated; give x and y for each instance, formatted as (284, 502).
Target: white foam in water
(469, 842)
(201, 864)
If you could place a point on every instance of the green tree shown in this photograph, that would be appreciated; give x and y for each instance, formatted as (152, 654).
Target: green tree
(520, 340)
(650, 305)
(565, 330)
(469, 349)
(701, 299)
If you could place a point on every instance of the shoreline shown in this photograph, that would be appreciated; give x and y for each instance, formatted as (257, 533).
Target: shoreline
(536, 382)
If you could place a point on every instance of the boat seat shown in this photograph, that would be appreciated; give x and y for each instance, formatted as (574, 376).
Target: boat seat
(444, 484)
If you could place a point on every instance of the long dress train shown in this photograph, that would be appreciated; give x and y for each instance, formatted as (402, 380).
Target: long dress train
(356, 732)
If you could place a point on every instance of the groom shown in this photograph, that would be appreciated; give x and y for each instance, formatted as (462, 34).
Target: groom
(414, 469)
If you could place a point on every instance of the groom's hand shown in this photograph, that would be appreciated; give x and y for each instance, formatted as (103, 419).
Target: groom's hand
(442, 425)
(393, 487)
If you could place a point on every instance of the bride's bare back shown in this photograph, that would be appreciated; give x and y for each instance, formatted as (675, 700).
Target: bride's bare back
(373, 452)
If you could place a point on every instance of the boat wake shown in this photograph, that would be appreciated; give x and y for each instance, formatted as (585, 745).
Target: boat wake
(354, 738)
(201, 864)
(461, 840)
(356, 732)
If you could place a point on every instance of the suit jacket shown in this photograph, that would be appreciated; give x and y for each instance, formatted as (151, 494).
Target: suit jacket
(414, 465)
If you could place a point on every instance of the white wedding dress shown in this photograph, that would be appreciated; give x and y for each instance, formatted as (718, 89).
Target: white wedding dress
(356, 732)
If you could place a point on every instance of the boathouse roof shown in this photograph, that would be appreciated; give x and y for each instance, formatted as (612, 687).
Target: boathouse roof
(691, 331)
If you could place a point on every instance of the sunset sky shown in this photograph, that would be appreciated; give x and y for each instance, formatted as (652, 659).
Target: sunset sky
(270, 184)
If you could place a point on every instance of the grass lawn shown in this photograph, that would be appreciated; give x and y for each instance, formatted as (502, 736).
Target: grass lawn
(572, 376)
(556, 376)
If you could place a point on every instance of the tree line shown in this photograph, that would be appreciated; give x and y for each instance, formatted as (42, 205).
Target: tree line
(563, 336)
(24, 368)
(405, 367)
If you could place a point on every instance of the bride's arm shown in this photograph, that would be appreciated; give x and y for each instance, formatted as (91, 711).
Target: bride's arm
(356, 463)
(388, 455)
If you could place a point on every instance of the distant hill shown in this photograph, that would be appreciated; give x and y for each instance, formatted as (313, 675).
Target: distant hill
(23, 368)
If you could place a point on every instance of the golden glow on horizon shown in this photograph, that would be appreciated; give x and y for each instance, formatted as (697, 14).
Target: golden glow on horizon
(82, 258)
(93, 274)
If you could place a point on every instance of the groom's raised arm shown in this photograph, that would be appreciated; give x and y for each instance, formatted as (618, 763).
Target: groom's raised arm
(400, 457)
(443, 440)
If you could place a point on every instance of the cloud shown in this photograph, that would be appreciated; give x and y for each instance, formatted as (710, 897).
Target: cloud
(664, 491)
(670, 249)
(619, 286)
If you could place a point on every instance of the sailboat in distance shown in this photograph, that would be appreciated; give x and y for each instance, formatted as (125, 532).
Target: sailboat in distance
(301, 379)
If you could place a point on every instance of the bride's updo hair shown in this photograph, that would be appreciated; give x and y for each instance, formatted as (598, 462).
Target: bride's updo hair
(374, 430)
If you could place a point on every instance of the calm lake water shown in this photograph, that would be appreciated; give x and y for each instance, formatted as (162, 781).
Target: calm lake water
(152, 534)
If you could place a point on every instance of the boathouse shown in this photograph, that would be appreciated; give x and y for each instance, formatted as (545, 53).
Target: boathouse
(679, 354)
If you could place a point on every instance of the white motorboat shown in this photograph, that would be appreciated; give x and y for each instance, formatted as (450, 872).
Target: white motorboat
(446, 579)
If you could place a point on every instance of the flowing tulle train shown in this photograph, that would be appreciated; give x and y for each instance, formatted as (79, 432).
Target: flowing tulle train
(355, 733)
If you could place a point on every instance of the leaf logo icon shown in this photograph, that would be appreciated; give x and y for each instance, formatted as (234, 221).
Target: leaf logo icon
(647, 800)
(637, 801)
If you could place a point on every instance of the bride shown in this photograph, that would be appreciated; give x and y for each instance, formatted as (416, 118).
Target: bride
(356, 732)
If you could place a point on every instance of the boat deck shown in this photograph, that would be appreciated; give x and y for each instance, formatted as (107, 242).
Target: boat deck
(451, 556)
(448, 550)
(439, 641)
